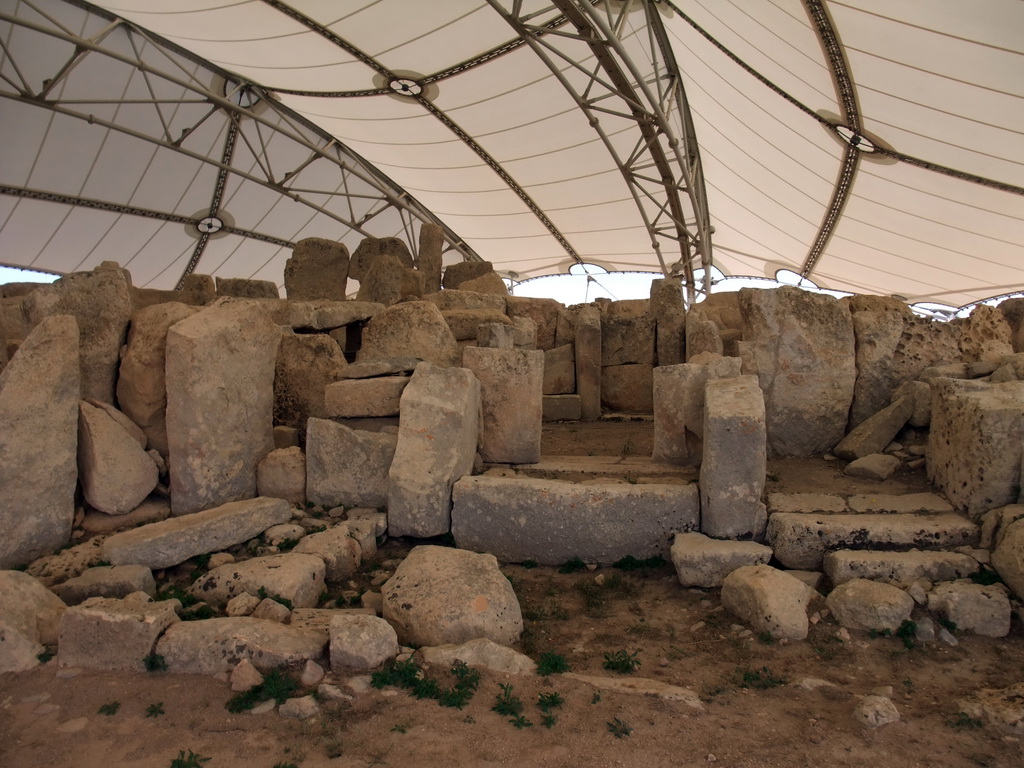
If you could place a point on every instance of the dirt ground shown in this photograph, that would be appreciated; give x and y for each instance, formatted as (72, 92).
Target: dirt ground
(754, 715)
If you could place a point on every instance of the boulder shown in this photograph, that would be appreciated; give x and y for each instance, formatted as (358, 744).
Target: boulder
(317, 269)
(495, 336)
(364, 397)
(39, 391)
(107, 633)
(175, 540)
(437, 440)
(347, 467)
(327, 315)
(410, 329)
(511, 397)
(703, 335)
(768, 600)
(465, 322)
(141, 383)
(295, 577)
(30, 616)
(213, 646)
(874, 466)
(337, 547)
(439, 596)
(458, 273)
(704, 562)
(1001, 707)
(282, 475)
(979, 608)
(306, 364)
(876, 711)
(360, 642)
(985, 335)
(387, 281)
(115, 472)
(803, 344)
(1008, 557)
(481, 652)
(867, 605)
(490, 282)
(874, 433)
(111, 581)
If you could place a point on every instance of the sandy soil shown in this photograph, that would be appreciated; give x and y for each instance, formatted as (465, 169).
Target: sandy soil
(753, 714)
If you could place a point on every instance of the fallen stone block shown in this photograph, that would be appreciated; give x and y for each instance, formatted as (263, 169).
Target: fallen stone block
(867, 605)
(359, 398)
(978, 608)
(876, 432)
(701, 561)
(1000, 707)
(106, 633)
(800, 541)
(116, 473)
(282, 475)
(175, 540)
(337, 547)
(151, 510)
(295, 577)
(212, 646)
(348, 467)
(643, 686)
(360, 642)
(552, 521)
(897, 567)
(440, 595)
(480, 653)
(876, 466)
(113, 581)
(768, 600)
(30, 617)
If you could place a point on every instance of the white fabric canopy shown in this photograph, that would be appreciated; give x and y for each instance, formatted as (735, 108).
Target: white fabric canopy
(871, 146)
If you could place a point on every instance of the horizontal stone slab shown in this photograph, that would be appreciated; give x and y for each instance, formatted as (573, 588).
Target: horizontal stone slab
(801, 541)
(175, 540)
(361, 398)
(806, 503)
(580, 468)
(551, 522)
(899, 503)
(897, 567)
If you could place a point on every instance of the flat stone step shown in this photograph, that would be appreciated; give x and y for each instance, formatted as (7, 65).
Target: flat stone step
(861, 503)
(897, 567)
(639, 469)
(800, 540)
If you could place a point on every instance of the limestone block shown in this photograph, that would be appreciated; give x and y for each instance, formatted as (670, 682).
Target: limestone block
(511, 397)
(898, 503)
(114, 581)
(495, 335)
(296, 577)
(323, 315)
(18, 652)
(877, 335)
(562, 408)
(588, 362)
(876, 711)
(875, 432)
(978, 608)
(553, 521)
(732, 472)
(440, 595)
(490, 282)
(387, 366)
(306, 364)
(149, 511)
(524, 333)
(115, 472)
(38, 442)
(1000, 707)
(271, 610)
(768, 600)
(461, 271)
(410, 329)
(544, 312)
(464, 323)
(808, 503)
(800, 540)
(361, 642)
(437, 440)
(897, 567)
(122, 421)
(213, 646)
(560, 370)
(669, 313)
(859, 302)
(28, 609)
(996, 523)
(370, 248)
(282, 475)
(388, 281)
(867, 605)
(974, 445)
(455, 299)
(141, 385)
(874, 466)
(337, 547)
(175, 540)
(428, 258)
(220, 398)
(702, 335)
(244, 288)
(1008, 558)
(985, 335)
(198, 290)
(704, 562)
(627, 333)
(100, 301)
(628, 388)
(920, 392)
(107, 633)
(347, 467)
(804, 347)
(317, 269)
(480, 653)
(358, 398)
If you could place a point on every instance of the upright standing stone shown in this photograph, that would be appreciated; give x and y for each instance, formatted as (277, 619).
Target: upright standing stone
(370, 248)
(669, 313)
(437, 439)
(141, 385)
(733, 469)
(347, 467)
(382, 280)
(38, 442)
(429, 260)
(220, 402)
(877, 334)
(559, 370)
(317, 269)
(627, 333)
(511, 393)
(804, 347)
(462, 271)
(588, 362)
(101, 302)
(306, 364)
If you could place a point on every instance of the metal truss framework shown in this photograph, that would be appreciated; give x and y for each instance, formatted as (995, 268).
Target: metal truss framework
(663, 168)
(253, 119)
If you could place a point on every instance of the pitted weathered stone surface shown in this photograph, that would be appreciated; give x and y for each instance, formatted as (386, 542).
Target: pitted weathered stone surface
(212, 646)
(701, 561)
(175, 540)
(1008, 557)
(553, 521)
(361, 642)
(877, 334)
(317, 269)
(985, 335)
(898, 503)
(983, 609)
(108, 633)
(410, 329)
(454, 299)
(461, 271)
(306, 364)
(801, 540)
(388, 281)
(115, 581)
(804, 347)
(465, 322)
(323, 315)
(866, 605)
(115, 472)
(897, 567)
(769, 600)
(440, 595)
(220, 400)
(511, 397)
(347, 467)
(337, 547)
(627, 333)
(296, 577)
(245, 288)
(359, 398)
(39, 392)
(489, 282)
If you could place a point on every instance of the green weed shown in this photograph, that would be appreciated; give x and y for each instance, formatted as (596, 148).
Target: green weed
(110, 709)
(506, 703)
(262, 594)
(275, 685)
(619, 728)
(760, 679)
(191, 760)
(551, 664)
(575, 565)
(529, 564)
(520, 722)
(549, 700)
(963, 721)
(630, 563)
(622, 662)
(155, 710)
